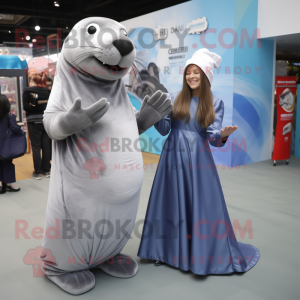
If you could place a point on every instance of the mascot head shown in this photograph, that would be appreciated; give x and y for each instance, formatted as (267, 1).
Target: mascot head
(99, 47)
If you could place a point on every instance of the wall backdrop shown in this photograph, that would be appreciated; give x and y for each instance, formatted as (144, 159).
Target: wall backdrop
(165, 39)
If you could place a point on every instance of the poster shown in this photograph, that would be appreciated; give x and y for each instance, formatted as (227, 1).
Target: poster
(166, 39)
(297, 132)
(285, 101)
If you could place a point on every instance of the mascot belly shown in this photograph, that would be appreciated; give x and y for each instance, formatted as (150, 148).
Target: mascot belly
(97, 166)
(94, 190)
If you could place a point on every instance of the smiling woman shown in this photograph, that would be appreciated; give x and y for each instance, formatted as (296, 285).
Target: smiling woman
(193, 79)
(186, 190)
(195, 84)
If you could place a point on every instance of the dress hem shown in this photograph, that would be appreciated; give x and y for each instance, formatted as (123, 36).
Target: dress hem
(250, 266)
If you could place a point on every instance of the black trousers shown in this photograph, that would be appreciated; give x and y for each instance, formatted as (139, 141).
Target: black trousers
(40, 140)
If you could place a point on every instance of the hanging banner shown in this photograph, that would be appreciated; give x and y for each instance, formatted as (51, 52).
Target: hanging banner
(286, 88)
(297, 133)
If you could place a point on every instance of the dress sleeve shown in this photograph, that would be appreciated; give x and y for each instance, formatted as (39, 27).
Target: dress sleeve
(164, 125)
(213, 131)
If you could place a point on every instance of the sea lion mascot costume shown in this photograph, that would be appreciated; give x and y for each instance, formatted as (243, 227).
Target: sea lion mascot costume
(97, 166)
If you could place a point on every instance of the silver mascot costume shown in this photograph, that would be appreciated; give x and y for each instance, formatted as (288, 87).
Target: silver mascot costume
(97, 166)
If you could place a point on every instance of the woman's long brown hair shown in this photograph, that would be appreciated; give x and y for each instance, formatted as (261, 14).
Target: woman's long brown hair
(205, 111)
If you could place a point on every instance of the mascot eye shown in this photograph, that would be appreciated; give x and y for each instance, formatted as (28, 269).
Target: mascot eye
(92, 29)
(124, 32)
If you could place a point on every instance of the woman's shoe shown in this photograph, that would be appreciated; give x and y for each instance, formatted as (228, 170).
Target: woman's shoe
(3, 188)
(10, 188)
(159, 263)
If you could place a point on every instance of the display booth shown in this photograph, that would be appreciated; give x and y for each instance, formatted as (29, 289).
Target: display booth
(166, 39)
(13, 80)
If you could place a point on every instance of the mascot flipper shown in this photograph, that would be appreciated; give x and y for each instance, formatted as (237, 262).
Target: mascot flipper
(97, 168)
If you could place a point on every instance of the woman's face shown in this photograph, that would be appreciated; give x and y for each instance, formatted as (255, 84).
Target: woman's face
(192, 76)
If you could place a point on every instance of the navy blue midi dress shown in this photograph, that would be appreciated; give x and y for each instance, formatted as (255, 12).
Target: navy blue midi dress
(187, 224)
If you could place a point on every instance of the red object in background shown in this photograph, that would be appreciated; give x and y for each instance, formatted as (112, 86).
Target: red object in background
(286, 88)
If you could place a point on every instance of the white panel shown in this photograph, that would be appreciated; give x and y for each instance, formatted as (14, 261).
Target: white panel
(277, 18)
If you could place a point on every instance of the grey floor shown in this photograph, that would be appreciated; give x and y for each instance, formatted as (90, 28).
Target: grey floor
(269, 196)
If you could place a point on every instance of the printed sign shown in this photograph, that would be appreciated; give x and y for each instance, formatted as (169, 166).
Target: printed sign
(160, 33)
(197, 26)
(297, 132)
(285, 100)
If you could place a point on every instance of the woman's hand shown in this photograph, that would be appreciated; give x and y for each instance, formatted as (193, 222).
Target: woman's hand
(228, 130)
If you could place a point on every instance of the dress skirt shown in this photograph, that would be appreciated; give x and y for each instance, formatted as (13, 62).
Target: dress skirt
(7, 171)
(187, 223)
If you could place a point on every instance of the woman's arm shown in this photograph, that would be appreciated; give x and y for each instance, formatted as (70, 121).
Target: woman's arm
(213, 132)
(15, 128)
(164, 125)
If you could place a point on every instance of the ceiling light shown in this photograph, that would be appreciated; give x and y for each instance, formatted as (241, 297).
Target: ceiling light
(9, 31)
(27, 37)
(67, 27)
(37, 27)
(33, 40)
(56, 3)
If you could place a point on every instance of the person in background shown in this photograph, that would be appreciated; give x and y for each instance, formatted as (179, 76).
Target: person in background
(49, 83)
(7, 168)
(35, 100)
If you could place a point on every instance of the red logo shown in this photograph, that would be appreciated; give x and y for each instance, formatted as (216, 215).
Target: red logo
(94, 165)
(33, 257)
(40, 65)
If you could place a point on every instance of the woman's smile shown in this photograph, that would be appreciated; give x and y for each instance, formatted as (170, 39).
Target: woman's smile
(193, 82)
(192, 77)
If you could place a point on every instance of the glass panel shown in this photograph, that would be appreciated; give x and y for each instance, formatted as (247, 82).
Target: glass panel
(10, 89)
(23, 113)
